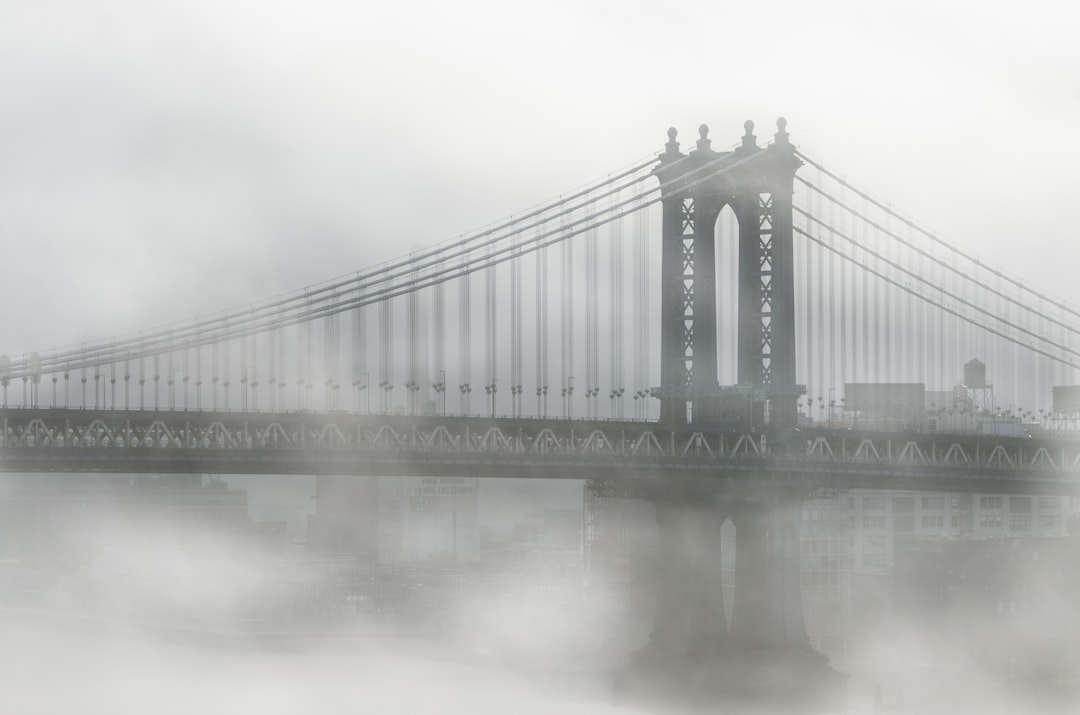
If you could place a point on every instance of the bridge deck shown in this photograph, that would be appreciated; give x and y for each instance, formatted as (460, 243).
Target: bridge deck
(66, 440)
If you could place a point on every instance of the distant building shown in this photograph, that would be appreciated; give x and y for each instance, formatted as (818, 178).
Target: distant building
(826, 574)
(41, 512)
(621, 563)
(423, 518)
(346, 518)
(848, 549)
(876, 517)
(392, 520)
(1008, 604)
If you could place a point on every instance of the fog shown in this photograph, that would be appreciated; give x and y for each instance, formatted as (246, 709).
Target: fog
(120, 604)
(164, 160)
(161, 160)
(58, 671)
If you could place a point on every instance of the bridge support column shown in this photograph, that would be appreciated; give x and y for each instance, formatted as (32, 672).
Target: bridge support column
(767, 613)
(765, 658)
(689, 621)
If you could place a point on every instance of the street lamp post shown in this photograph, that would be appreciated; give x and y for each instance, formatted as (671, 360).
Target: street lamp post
(440, 393)
(362, 386)
(491, 390)
(465, 388)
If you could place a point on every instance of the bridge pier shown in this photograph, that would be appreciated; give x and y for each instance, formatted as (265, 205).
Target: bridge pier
(689, 621)
(767, 613)
(693, 657)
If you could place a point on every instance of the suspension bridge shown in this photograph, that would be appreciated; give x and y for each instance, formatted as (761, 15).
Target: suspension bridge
(684, 314)
(667, 331)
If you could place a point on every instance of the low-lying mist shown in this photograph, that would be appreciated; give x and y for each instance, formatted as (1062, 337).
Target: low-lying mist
(141, 614)
(122, 611)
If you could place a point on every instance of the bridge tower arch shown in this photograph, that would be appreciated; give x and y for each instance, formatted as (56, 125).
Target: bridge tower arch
(757, 183)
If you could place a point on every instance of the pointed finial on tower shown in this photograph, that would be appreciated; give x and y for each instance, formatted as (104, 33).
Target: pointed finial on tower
(749, 140)
(704, 142)
(781, 134)
(672, 146)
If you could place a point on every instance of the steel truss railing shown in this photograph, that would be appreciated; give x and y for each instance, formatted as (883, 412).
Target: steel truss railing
(31, 436)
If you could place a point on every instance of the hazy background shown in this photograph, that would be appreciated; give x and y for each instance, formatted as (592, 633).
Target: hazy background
(160, 160)
(164, 159)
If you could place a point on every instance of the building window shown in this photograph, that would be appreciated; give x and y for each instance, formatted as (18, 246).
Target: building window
(1049, 502)
(1020, 505)
(989, 502)
(873, 503)
(933, 522)
(1020, 522)
(904, 523)
(873, 561)
(903, 505)
(873, 522)
(990, 521)
(955, 522)
(875, 541)
(933, 502)
(1049, 521)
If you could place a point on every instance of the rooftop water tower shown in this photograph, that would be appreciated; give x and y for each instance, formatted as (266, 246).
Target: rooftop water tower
(978, 389)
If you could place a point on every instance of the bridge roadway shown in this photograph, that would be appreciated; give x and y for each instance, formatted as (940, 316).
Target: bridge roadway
(626, 451)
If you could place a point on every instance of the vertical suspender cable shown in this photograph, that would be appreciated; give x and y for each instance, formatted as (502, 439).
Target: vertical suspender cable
(299, 334)
(247, 343)
(198, 377)
(255, 371)
(489, 322)
(809, 302)
(844, 317)
(834, 299)
(385, 351)
(888, 309)
(567, 281)
(272, 381)
(282, 368)
(616, 340)
(542, 330)
(918, 326)
(412, 347)
(438, 324)
(639, 338)
(465, 341)
(226, 382)
(591, 378)
(214, 376)
(515, 333)
(170, 382)
(309, 364)
(361, 375)
(865, 309)
(186, 378)
(329, 324)
(1016, 347)
(956, 331)
(881, 312)
(821, 327)
(646, 303)
(1041, 363)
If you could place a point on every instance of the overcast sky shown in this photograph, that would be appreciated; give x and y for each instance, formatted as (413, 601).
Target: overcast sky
(160, 160)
